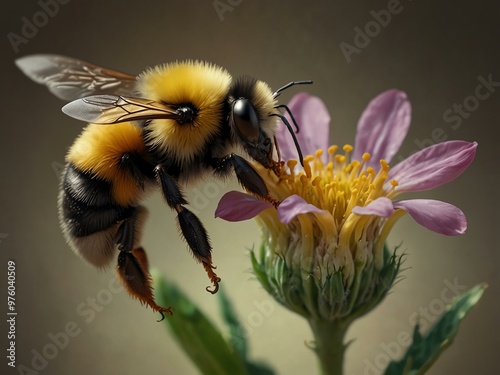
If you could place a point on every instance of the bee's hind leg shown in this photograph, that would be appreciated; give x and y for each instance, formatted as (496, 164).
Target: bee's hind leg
(192, 228)
(133, 263)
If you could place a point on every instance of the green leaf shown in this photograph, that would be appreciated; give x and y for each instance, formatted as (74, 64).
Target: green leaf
(259, 369)
(196, 334)
(426, 349)
(237, 333)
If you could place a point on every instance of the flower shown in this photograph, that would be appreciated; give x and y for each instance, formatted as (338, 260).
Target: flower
(323, 253)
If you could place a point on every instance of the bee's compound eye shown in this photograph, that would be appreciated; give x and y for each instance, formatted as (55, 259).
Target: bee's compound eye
(246, 120)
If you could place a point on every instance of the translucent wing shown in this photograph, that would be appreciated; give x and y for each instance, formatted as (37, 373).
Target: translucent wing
(111, 109)
(70, 79)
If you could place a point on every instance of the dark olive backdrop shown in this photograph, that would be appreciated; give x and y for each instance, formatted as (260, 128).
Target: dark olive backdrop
(434, 51)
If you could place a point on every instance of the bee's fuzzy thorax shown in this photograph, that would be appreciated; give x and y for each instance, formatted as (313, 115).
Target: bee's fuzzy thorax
(201, 85)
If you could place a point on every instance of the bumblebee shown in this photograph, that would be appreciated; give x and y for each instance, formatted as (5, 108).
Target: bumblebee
(165, 128)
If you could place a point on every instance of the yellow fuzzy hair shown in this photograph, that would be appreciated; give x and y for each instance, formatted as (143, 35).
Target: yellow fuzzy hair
(202, 84)
(98, 150)
(264, 103)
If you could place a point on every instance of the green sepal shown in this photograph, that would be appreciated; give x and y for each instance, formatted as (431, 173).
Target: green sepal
(196, 334)
(426, 349)
(328, 299)
(376, 285)
(260, 271)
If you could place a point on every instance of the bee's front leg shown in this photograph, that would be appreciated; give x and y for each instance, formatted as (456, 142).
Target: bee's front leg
(245, 173)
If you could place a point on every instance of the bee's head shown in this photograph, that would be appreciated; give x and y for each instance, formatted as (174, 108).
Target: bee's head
(247, 125)
(253, 119)
(252, 125)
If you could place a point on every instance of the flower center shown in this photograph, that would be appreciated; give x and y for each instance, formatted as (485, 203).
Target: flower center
(337, 186)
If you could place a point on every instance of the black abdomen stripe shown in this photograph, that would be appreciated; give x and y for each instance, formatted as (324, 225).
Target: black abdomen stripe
(87, 204)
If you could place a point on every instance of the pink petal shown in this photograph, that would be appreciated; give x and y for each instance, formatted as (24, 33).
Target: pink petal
(238, 206)
(435, 215)
(379, 207)
(313, 121)
(293, 206)
(433, 166)
(382, 127)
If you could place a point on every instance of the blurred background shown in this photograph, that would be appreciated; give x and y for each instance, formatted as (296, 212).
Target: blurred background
(439, 53)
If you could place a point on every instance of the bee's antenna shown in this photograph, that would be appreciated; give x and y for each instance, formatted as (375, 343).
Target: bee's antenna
(278, 92)
(289, 127)
(289, 114)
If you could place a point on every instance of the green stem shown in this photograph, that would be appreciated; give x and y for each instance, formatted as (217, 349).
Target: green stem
(329, 345)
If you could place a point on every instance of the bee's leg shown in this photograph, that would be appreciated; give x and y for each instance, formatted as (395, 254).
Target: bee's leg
(192, 228)
(246, 175)
(132, 261)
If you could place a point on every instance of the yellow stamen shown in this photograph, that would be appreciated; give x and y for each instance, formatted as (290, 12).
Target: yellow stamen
(331, 152)
(305, 182)
(366, 156)
(356, 166)
(307, 167)
(316, 183)
(352, 202)
(394, 185)
(379, 180)
(291, 165)
(347, 150)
